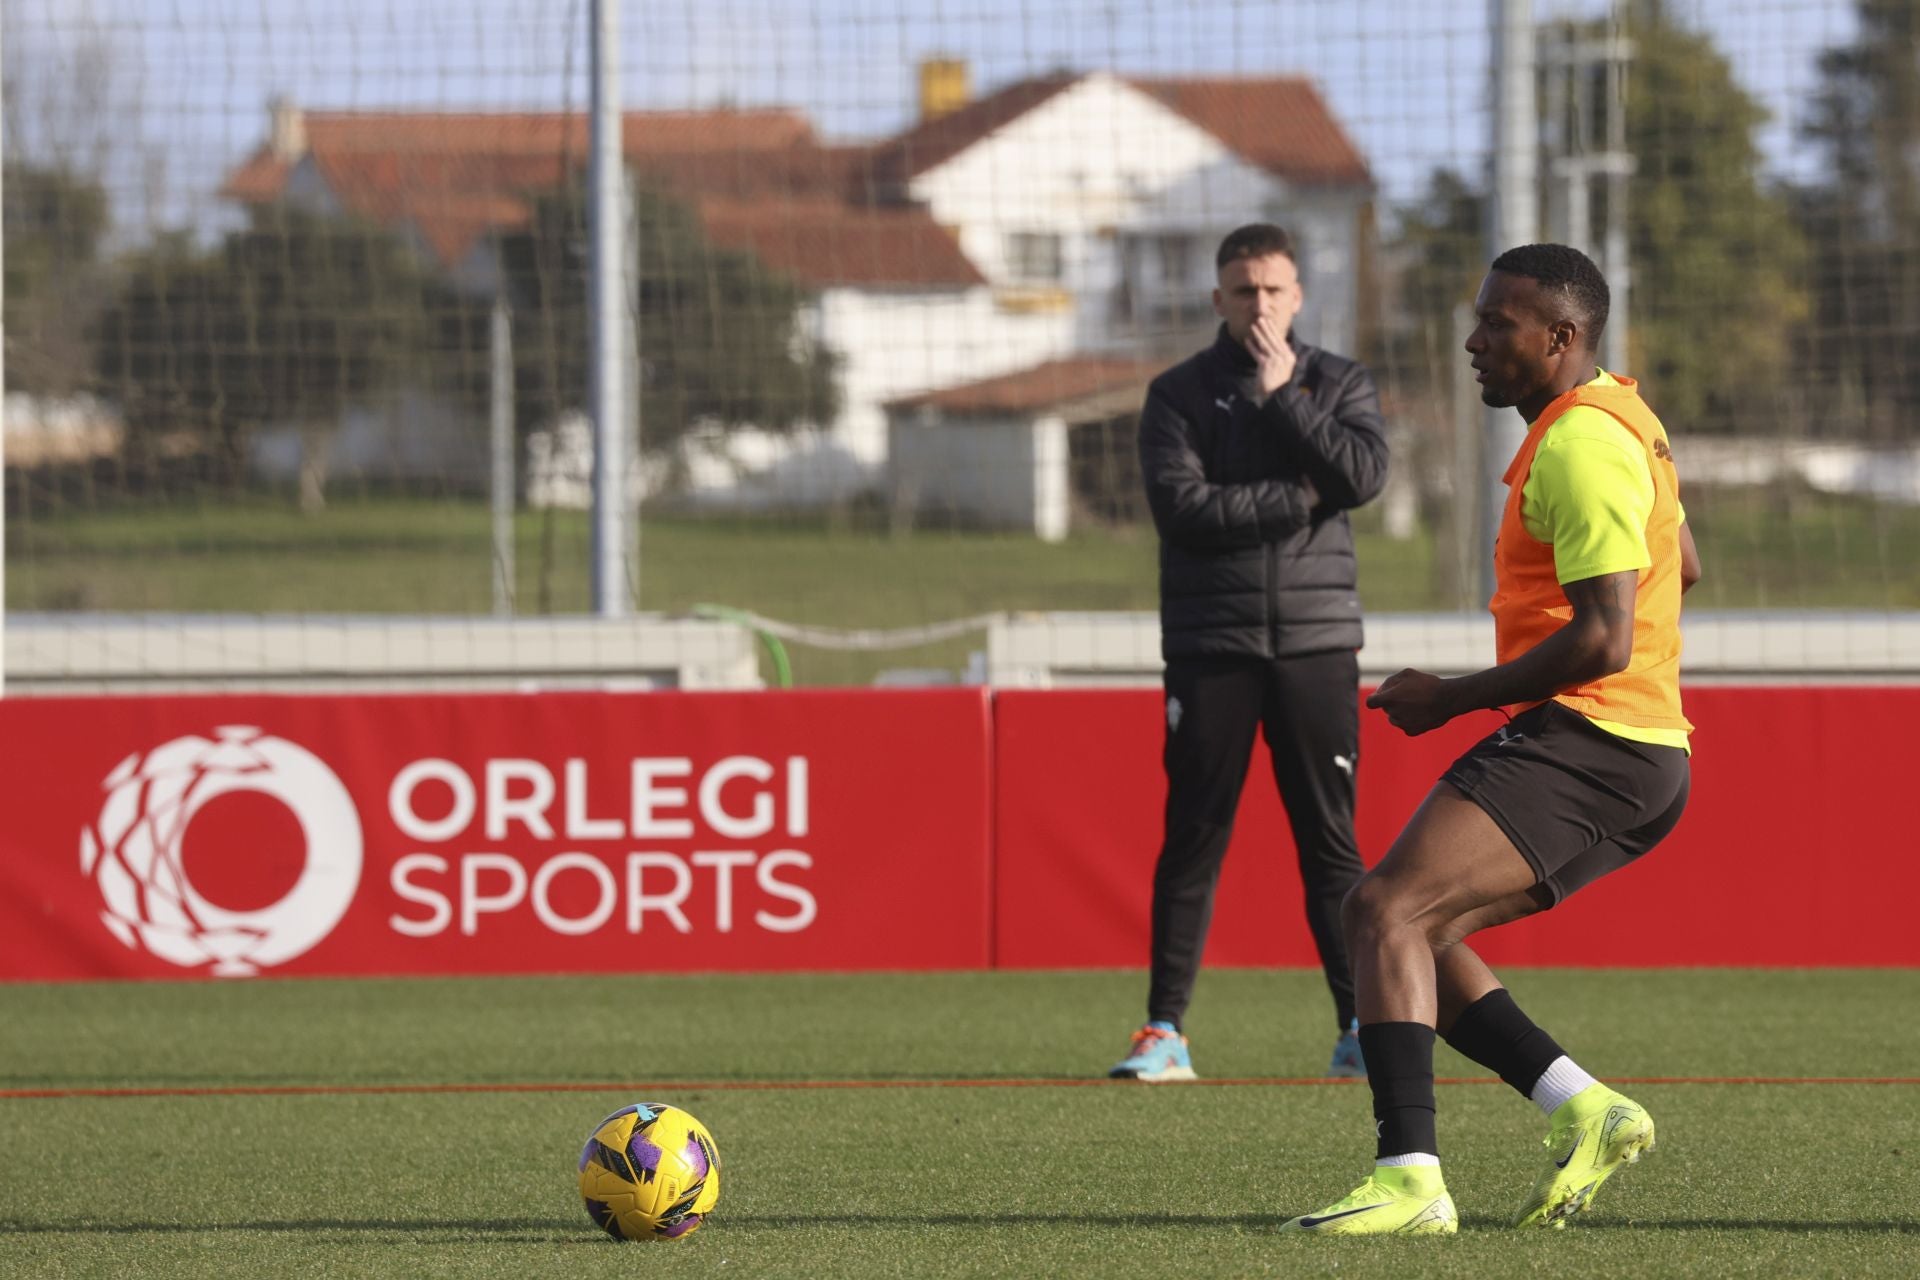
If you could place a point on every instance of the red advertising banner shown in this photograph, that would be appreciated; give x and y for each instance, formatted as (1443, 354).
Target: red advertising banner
(1797, 847)
(204, 836)
(847, 829)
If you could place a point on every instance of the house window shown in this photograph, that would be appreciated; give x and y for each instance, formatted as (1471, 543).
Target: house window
(1176, 259)
(1036, 257)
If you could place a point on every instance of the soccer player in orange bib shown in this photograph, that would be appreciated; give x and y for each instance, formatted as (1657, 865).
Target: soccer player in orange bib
(1589, 772)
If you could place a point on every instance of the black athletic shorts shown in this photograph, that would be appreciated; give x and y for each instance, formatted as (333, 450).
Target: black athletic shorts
(1576, 800)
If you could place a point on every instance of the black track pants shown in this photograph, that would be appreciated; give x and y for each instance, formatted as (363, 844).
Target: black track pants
(1309, 709)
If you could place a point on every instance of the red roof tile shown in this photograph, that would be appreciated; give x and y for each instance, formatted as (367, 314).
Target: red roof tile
(799, 172)
(1280, 123)
(825, 242)
(1052, 385)
(452, 199)
(260, 178)
(378, 183)
(554, 137)
(758, 179)
(556, 133)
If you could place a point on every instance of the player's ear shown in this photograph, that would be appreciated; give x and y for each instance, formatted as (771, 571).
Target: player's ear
(1562, 335)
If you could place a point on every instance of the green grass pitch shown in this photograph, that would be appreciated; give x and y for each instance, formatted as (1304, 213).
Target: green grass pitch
(919, 1125)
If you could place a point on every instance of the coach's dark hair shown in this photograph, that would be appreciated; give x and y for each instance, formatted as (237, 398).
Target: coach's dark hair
(1255, 240)
(1569, 273)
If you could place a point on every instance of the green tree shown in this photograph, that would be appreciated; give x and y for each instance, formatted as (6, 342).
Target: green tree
(1716, 295)
(53, 224)
(289, 322)
(1440, 249)
(1864, 223)
(721, 337)
(1718, 262)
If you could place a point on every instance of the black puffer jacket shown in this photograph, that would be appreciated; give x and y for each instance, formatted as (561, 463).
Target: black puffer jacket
(1256, 556)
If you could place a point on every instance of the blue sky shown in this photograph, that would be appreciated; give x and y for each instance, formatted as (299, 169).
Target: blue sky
(187, 81)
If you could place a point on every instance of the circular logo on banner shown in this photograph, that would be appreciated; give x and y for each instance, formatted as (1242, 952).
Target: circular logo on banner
(135, 851)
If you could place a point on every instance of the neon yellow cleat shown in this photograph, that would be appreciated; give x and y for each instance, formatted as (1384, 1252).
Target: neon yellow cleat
(1409, 1201)
(1594, 1132)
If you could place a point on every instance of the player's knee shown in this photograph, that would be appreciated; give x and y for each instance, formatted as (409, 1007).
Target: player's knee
(1376, 908)
(1368, 909)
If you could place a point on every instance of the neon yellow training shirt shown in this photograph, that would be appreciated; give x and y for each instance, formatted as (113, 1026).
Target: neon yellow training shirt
(1589, 496)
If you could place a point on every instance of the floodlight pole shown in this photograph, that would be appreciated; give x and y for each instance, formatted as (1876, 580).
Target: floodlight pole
(607, 319)
(1513, 220)
(500, 440)
(1586, 142)
(1619, 168)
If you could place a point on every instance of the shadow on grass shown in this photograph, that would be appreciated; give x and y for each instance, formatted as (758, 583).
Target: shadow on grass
(491, 1230)
(1265, 1221)
(495, 1229)
(1910, 1227)
(1478, 1223)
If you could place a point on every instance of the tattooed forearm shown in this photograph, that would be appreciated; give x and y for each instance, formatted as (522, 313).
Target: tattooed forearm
(1603, 615)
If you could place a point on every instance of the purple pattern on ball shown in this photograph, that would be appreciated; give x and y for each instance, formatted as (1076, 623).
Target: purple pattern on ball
(696, 1158)
(680, 1228)
(645, 1154)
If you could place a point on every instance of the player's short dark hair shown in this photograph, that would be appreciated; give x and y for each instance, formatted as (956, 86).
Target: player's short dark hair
(1571, 275)
(1255, 240)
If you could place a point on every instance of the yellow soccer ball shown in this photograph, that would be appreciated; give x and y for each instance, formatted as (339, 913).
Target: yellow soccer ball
(650, 1172)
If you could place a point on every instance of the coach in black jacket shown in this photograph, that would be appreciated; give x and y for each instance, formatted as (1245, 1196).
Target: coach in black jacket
(1253, 451)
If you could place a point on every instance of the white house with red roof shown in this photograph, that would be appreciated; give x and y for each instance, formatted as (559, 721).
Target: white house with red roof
(1107, 195)
(1056, 217)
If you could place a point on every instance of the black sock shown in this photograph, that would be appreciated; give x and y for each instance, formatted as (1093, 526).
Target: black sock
(1496, 1034)
(1400, 1071)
